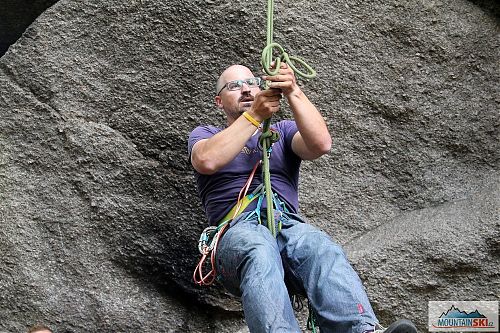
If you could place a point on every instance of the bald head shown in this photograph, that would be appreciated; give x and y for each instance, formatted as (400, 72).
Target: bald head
(232, 73)
(39, 329)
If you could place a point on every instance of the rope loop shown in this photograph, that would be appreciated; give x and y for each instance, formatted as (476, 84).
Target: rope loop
(270, 136)
(310, 72)
(292, 61)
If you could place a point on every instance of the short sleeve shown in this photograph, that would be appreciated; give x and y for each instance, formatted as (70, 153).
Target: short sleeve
(287, 129)
(200, 133)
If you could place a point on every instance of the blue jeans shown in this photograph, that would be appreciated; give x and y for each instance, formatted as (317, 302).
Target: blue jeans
(254, 266)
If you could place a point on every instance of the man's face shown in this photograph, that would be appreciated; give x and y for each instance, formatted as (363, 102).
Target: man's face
(235, 102)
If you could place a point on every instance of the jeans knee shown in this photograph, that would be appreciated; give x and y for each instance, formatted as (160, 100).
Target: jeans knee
(261, 253)
(249, 244)
(323, 245)
(312, 243)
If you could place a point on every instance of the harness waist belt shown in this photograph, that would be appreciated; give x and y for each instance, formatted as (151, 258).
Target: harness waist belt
(245, 202)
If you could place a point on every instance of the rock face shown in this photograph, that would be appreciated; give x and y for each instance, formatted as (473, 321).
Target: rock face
(448, 252)
(99, 216)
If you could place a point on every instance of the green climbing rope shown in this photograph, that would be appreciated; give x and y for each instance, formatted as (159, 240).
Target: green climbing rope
(266, 139)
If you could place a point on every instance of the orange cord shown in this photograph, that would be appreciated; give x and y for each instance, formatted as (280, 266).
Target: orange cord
(205, 280)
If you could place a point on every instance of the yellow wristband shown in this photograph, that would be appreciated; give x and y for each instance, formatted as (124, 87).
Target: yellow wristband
(251, 119)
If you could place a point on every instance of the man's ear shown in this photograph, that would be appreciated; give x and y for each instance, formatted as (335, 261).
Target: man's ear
(218, 102)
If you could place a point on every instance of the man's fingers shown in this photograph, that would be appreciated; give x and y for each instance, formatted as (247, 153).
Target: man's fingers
(280, 84)
(271, 92)
(282, 65)
(280, 77)
(274, 98)
(272, 104)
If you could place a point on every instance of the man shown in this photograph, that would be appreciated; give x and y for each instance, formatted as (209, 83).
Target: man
(251, 263)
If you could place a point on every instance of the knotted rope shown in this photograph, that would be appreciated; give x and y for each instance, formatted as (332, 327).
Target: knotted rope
(267, 138)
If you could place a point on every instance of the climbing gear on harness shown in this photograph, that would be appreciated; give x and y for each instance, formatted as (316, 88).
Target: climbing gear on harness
(207, 244)
(245, 202)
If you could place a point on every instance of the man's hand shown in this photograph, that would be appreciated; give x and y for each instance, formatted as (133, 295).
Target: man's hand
(312, 140)
(265, 104)
(284, 80)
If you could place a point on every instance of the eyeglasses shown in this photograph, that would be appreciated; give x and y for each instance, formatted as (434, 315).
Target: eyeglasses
(237, 84)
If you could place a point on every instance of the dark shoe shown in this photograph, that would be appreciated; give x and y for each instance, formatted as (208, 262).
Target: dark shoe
(399, 326)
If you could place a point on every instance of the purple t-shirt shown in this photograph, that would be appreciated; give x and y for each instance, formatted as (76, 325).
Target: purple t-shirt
(219, 192)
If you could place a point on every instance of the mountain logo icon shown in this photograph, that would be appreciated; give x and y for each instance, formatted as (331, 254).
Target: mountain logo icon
(454, 312)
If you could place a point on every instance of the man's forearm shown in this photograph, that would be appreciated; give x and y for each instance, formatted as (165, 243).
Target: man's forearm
(313, 139)
(209, 156)
(311, 125)
(212, 154)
